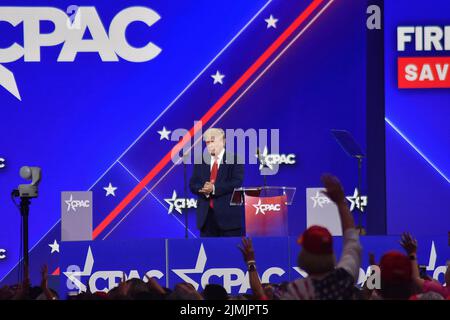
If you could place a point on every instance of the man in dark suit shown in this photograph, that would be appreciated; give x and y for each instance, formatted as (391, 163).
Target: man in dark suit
(214, 180)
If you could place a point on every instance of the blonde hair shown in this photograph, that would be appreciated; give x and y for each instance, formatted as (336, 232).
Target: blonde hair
(213, 132)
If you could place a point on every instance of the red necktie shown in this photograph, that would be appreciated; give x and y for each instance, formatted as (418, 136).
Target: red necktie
(212, 179)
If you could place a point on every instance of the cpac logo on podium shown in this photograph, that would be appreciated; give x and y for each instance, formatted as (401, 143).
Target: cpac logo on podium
(263, 207)
(2, 254)
(70, 31)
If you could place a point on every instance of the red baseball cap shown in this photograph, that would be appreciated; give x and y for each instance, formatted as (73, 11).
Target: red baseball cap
(395, 268)
(317, 240)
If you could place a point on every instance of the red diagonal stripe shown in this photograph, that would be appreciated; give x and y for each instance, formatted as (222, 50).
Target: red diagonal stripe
(207, 116)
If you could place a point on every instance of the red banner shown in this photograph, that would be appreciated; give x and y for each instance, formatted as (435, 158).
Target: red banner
(424, 72)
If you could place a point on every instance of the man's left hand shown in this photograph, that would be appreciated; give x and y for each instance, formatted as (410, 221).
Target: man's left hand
(207, 188)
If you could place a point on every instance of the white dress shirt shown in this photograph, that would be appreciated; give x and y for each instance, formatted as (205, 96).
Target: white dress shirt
(218, 159)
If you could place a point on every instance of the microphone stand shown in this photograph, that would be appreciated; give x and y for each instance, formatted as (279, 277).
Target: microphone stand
(360, 227)
(24, 213)
(186, 220)
(258, 154)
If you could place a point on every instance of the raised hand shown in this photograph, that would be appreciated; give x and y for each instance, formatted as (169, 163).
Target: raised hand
(248, 253)
(334, 189)
(408, 243)
(123, 285)
(247, 250)
(335, 192)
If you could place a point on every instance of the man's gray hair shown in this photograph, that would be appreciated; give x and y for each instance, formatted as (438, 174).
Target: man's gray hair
(213, 132)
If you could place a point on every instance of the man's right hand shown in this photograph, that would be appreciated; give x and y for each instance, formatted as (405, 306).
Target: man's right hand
(335, 192)
(247, 250)
(408, 243)
(334, 189)
(207, 188)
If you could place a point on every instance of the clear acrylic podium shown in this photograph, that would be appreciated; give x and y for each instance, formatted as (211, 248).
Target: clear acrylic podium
(266, 212)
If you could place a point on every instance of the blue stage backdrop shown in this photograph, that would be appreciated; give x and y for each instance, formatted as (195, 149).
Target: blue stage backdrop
(417, 129)
(90, 119)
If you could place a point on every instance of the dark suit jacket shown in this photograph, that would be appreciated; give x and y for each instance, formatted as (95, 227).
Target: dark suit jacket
(229, 176)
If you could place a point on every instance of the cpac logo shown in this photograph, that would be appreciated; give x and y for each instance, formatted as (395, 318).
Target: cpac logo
(232, 277)
(2, 163)
(356, 200)
(262, 208)
(2, 254)
(179, 203)
(270, 160)
(110, 278)
(109, 45)
(320, 200)
(74, 204)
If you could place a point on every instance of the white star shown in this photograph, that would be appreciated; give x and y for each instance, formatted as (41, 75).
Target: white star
(110, 190)
(70, 204)
(164, 134)
(54, 246)
(271, 22)
(319, 200)
(258, 208)
(357, 201)
(75, 276)
(263, 159)
(171, 202)
(198, 269)
(218, 77)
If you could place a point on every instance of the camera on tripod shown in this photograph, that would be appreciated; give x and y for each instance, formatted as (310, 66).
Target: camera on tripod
(29, 190)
